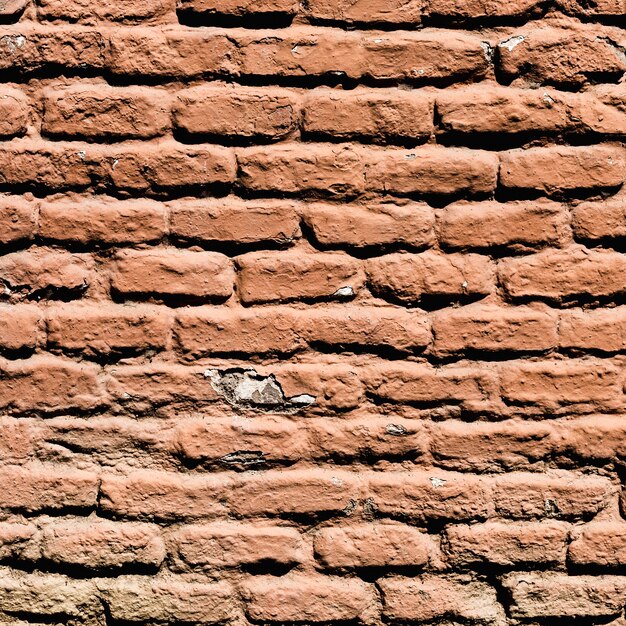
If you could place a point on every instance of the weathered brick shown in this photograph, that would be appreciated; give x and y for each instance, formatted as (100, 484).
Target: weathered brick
(493, 328)
(371, 224)
(428, 598)
(558, 494)
(110, 329)
(554, 383)
(102, 544)
(599, 220)
(14, 112)
(39, 488)
(432, 171)
(173, 273)
(17, 219)
(232, 545)
(381, 115)
(423, 496)
(564, 274)
(137, 599)
(409, 278)
(48, 384)
(559, 595)
(244, 113)
(88, 12)
(599, 544)
(87, 221)
(102, 113)
(272, 277)
(593, 330)
(20, 327)
(233, 221)
(563, 169)
(506, 544)
(308, 597)
(565, 57)
(239, 8)
(372, 545)
(513, 224)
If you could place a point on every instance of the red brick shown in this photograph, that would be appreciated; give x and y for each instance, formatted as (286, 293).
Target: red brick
(320, 168)
(411, 278)
(272, 276)
(372, 224)
(593, 330)
(487, 446)
(45, 165)
(169, 53)
(108, 329)
(14, 112)
(88, 12)
(376, 12)
(418, 383)
(232, 545)
(48, 384)
(493, 328)
(554, 383)
(12, 9)
(476, 9)
(15, 539)
(243, 113)
(40, 488)
(284, 330)
(239, 8)
(556, 494)
(168, 166)
(164, 496)
(296, 492)
(103, 113)
(146, 387)
(507, 544)
(167, 600)
(235, 221)
(601, 219)
(381, 115)
(424, 496)
(308, 597)
(17, 219)
(173, 273)
(513, 224)
(599, 8)
(102, 544)
(34, 48)
(563, 274)
(429, 598)
(20, 327)
(600, 544)
(565, 57)
(45, 270)
(372, 545)
(550, 594)
(89, 221)
(563, 169)
(416, 56)
(594, 437)
(432, 170)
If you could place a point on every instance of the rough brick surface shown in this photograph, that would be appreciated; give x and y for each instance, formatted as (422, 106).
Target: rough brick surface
(312, 312)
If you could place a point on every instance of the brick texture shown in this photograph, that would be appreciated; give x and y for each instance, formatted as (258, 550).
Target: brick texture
(312, 312)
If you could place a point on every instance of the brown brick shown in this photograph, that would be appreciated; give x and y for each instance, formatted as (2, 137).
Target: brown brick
(88, 12)
(14, 112)
(599, 544)
(20, 327)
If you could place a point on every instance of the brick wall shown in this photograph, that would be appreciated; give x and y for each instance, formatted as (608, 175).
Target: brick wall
(312, 313)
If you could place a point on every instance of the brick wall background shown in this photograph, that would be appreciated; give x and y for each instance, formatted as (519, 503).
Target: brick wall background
(312, 313)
